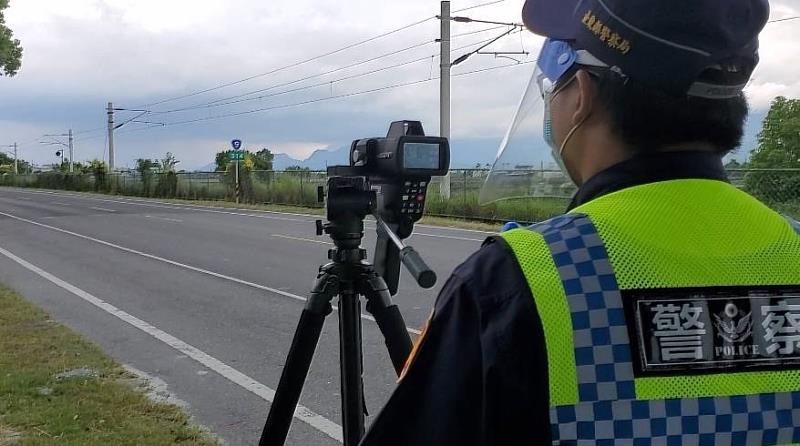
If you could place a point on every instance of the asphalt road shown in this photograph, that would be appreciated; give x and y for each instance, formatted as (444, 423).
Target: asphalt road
(207, 299)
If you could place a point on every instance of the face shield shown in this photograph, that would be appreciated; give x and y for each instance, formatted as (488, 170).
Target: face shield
(525, 166)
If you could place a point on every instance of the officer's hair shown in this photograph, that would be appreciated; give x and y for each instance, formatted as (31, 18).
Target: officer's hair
(649, 120)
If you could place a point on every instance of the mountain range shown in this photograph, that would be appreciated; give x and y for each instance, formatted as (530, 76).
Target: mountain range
(472, 152)
(465, 154)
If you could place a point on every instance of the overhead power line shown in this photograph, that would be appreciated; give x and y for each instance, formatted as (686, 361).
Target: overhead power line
(785, 19)
(329, 98)
(489, 42)
(78, 132)
(88, 138)
(295, 90)
(493, 28)
(461, 19)
(478, 6)
(353, 65)
(305, 61)
(292, 65)
(242, 97)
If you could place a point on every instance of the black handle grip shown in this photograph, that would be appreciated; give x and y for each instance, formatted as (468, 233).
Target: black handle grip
(424, 276)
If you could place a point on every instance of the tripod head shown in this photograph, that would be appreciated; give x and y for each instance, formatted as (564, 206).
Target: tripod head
(353, 201)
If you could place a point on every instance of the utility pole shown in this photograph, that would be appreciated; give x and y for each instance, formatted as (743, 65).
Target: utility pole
(444, 87)
(110, 137)
(70, 151)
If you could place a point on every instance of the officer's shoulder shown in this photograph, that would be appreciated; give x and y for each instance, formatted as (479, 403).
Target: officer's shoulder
(494, 252)
(490, 272)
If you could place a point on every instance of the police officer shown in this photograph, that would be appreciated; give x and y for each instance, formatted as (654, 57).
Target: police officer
(664, 307)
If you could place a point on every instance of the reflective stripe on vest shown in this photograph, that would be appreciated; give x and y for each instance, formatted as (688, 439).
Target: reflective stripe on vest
(594, 396)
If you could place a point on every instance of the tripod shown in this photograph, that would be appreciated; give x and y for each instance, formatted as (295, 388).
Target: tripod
(348, 276)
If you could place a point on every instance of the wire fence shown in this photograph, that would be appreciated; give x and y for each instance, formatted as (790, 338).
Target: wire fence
(778, 188)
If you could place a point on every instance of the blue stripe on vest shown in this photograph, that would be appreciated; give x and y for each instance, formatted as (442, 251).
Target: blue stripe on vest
(608, 413)
(602, 347)
(753, 420)
(795, 224)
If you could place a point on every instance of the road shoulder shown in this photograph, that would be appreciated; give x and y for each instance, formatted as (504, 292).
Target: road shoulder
(56, 385)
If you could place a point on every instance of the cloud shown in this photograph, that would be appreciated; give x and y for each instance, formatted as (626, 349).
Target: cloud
(80, 54)
(83, 53)
(776, 75)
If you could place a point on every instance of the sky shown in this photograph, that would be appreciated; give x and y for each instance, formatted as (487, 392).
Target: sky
(81, 54)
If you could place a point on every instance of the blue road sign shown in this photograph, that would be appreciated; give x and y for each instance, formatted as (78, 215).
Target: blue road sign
(237, 144)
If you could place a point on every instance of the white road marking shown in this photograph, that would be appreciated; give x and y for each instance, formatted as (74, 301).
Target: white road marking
(168, 205)
(141, 203)
(183, 265)
(448, 237)
(102, 209)
(302, 239)
(449, 228)
(302, 413)
(25, 198)
(59, 203)
(173, 220)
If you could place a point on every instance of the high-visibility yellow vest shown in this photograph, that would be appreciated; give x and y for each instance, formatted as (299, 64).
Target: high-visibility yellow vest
(671, 315)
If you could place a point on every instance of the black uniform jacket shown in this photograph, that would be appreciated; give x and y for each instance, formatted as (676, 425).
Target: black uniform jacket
(479, 376)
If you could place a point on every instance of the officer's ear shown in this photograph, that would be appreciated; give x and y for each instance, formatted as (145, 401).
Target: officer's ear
(587, 93)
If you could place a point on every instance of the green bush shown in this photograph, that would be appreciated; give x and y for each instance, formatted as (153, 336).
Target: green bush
(778, 188)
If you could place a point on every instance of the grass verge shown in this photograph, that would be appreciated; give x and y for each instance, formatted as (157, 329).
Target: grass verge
(97, 407)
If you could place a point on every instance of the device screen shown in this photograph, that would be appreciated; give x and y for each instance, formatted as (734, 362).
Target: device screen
(418, 155)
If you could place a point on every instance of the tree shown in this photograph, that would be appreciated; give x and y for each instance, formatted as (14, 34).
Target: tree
(298, 169)
(167, 180)
(63, 166)
(168, 163)
(222, 159)
(98, 169)
(262, 160)
(778, 148)
(95, 167)
(145, 169)
(10, 49)
(779, 139)
(145, 166)
(5, 159)
(7, 164)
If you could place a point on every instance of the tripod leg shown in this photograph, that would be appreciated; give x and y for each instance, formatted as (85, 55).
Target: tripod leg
(299, 360)
(351, 366)
(389, 319)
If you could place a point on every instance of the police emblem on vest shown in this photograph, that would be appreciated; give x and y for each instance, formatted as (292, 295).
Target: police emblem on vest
(728, 330)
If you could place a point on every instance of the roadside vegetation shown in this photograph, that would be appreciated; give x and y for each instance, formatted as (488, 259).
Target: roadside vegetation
(57, 388)
(772, 174)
